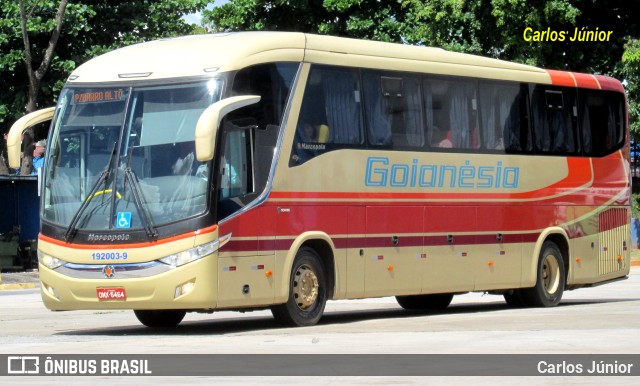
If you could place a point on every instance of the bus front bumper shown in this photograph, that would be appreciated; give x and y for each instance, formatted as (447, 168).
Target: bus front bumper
(189, 287)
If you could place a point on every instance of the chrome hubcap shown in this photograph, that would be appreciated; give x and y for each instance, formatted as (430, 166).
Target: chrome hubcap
(550, 274)
(305, 287)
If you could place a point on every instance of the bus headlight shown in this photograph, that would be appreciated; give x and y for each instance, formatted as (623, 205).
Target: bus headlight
(50, 261)
(193, 254)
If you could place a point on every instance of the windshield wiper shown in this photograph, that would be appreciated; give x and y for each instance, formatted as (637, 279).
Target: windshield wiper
(132, 179)
(104, 177)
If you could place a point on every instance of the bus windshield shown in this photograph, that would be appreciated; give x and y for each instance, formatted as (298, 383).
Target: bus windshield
(124, 157)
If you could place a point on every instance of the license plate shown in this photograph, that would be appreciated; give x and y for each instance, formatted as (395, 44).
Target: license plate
(117, 293)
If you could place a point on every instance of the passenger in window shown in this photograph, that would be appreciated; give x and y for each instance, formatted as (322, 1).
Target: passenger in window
(323, 134)
(308, 133)
(38, 156)
(315, 133)
(445, 142)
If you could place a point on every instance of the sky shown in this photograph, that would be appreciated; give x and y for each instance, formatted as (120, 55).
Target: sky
(195, 18)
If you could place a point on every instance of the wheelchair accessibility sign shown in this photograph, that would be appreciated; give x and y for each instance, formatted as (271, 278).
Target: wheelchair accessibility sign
(123, 220)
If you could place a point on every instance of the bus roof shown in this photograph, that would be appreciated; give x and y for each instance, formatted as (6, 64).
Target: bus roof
(199, 55)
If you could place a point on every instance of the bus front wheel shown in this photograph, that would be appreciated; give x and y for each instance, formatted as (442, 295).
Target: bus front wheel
(551, 278)
(307, 291)
(160, 318)
(434, 302)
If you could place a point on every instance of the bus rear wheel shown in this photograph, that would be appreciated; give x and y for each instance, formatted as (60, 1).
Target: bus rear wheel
(551, 278)
(307, 291)
(160, 318)
(434, 302)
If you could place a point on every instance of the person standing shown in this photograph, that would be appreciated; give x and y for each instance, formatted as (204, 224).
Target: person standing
(38, 155)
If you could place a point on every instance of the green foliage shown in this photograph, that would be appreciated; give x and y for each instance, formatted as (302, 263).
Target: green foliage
(371, 19)
(487, 27)
(491, 28)
(631, 71)
(635, 205)
(90, 27)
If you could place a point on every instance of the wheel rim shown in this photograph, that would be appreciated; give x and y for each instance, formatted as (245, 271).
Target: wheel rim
(305, 287)
(550, 274)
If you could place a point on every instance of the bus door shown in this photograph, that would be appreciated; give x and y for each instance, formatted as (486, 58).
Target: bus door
(246, 263)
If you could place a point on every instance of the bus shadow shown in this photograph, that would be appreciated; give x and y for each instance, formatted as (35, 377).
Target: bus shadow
(250, 323)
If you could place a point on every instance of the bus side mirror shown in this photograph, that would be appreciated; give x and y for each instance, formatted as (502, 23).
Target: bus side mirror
(20, 126)
(209, 120)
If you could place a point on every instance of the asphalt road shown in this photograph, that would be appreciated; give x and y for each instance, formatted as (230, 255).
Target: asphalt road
(600, 320)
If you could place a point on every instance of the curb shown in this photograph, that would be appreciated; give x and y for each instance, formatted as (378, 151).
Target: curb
(635, 263)
(17, 286)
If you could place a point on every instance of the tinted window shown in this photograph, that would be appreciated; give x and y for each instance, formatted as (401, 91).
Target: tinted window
(330, 116)
(249, 135)
(503, 114)
(393, 109)
(601, 121)
(451, 113)
(236, 164)
(554, 111)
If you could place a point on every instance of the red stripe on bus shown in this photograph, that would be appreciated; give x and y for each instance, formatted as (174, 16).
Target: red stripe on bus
(576, 79)
(612, 219)
(129, 245)
(585, 80)
(240, 245)
(561, 78)
(343, 242)
(611, 84)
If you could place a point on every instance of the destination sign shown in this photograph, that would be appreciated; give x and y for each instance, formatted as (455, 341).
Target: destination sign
(99, 96)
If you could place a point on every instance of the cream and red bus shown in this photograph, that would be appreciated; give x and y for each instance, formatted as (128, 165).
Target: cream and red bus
(281, 170)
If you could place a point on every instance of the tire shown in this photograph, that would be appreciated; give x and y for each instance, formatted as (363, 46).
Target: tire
(514, 299)
(550, 280)
(307, 291)
(435, 302)
(160, 318)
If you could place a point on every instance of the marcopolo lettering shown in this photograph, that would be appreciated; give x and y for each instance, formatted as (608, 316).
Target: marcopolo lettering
(108, 237)
(381, 172)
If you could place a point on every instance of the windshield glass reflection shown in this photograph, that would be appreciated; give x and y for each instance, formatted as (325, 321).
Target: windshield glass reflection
(147, 132)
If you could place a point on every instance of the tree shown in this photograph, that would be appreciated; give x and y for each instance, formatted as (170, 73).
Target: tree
(35, 75)
(491, 28)
(88, 28)
(371, 19)
(28, 43)
(631, 71)
(486, 27)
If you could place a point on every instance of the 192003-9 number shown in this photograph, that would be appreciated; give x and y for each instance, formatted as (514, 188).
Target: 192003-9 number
(109, 256)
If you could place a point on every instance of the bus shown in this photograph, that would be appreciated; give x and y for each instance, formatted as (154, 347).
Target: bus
(269, 170)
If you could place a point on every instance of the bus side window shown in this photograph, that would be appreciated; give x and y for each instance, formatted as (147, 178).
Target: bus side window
(601, 121)
(451, 110)
(250, 134)
(555, 112)
(330, 116)
(393, 110)
(235, 165)
(503, 117)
